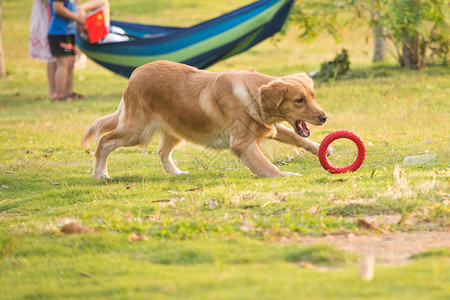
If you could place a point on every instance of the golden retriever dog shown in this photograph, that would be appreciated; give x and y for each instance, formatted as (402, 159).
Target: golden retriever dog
(233, 109)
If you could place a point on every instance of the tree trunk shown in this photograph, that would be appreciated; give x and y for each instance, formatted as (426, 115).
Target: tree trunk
(379, 42)
(411, 58)
(2, 56)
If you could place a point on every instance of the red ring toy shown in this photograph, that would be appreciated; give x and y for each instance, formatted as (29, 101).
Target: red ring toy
(340, 134)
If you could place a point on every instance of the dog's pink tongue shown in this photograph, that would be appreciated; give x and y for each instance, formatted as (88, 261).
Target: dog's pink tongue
(302, 129)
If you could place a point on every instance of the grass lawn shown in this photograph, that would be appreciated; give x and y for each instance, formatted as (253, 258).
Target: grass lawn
(220, 232)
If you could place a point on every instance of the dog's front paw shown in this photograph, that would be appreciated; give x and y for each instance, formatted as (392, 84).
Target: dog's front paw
(179, 172)
(100, 175)
(330, 151)
(290, 174)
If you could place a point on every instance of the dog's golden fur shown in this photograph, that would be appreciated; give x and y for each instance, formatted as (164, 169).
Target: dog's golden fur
(233, 109)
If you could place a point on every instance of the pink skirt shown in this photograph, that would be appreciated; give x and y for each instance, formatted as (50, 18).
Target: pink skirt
(39, 22)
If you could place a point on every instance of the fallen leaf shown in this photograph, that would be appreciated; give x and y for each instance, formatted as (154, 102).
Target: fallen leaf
(193, 189)
(168, 202)
(85, 274)
(250, 206)
(161, 201)
(366, 224)
(49, 153)
(136, 237)
(340, 180)
(306, 265)
(71, 228)
(151, 218)
(130, 186)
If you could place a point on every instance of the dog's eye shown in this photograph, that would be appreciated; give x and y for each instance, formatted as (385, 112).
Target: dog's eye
(300, 100)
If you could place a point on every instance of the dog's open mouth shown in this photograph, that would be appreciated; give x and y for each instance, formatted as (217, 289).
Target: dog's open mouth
(302, 129)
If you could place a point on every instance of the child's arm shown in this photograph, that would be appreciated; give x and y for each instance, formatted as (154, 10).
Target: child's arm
(61, 10)
(93, 4)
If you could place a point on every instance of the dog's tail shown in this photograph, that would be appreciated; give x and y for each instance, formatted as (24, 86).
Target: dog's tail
(102, 125)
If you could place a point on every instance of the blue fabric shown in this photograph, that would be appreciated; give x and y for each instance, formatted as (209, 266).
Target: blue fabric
(59, 25)
(201, 45)
(173, 38)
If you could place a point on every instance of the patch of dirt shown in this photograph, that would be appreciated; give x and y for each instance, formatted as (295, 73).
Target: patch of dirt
(390, 248)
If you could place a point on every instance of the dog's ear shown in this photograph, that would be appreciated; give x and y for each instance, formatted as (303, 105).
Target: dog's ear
(305, 79)
(272, 94)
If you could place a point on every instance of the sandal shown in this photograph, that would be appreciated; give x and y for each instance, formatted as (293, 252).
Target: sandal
(76, 96)
(64, 99)
(60, 99)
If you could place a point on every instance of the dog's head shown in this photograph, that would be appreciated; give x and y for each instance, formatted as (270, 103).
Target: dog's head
(291, 99)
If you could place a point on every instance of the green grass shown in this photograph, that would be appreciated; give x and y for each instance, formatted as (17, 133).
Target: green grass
(247, 246)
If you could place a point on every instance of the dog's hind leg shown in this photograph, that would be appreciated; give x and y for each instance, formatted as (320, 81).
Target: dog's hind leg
(123, 136)
(106, 145)
(167, 144)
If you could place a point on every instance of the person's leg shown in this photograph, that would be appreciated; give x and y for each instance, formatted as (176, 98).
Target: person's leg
(51, 71)
(70, 67)
(61, 75)
(63, 48)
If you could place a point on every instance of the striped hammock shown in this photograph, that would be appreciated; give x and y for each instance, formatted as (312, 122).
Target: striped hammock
(201, 45)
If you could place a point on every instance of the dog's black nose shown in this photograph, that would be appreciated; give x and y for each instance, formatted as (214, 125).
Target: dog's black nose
(323, 118)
